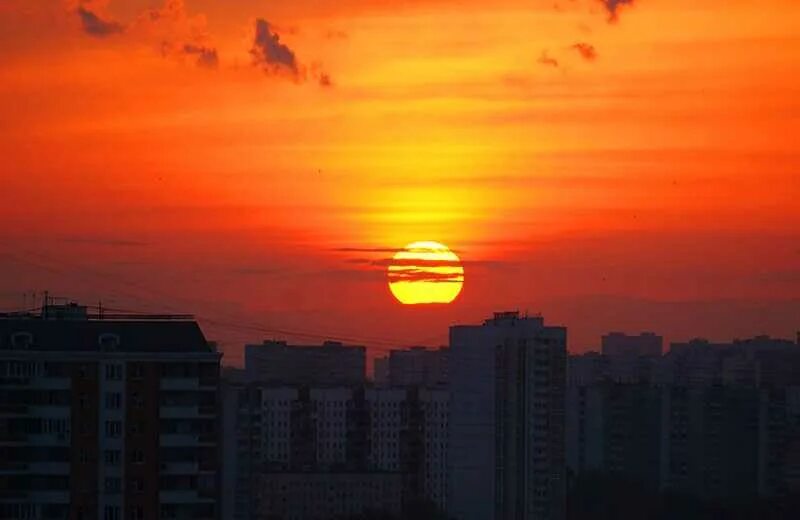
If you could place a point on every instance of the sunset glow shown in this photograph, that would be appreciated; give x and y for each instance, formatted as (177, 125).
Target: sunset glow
(589, 159)
(425, 272)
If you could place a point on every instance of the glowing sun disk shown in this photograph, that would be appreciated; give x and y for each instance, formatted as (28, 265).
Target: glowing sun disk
(425, 272)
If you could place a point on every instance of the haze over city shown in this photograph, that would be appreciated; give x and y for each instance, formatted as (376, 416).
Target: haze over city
(614, 165)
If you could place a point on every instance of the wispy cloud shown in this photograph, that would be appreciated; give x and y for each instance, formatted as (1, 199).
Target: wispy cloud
(96, 26)
(424, 275)
(272, 55)
(276, 58)
(206, 56)
(546, 60)
(613, 8)
(586, 50)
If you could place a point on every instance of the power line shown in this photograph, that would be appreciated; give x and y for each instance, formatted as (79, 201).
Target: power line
(81, 271)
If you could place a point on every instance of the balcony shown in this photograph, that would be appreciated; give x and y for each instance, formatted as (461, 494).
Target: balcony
(48, 439)
(187, 439)
(183, 497)
(179, 468)
(179, 383)
(186, 411)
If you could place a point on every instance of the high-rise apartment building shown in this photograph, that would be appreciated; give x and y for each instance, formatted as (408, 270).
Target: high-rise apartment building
(107, 417)
(329, 364)
(293, 444)
(415, 366)
(716, 421)
(506, 428)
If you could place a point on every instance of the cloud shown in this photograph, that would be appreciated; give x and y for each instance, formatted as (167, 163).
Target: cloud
(276, 58)
(206, 56)
(613, 7)
(176, 33)
(546, 60)
(586, 50)
(422, 275)
(95, 26)
(368, 249)
(273, 56)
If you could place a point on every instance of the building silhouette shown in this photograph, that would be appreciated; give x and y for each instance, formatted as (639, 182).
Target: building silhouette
(107, 416)
(413, 366)
(506, 453)
(332, 363)
(718, 422)
(291, 450)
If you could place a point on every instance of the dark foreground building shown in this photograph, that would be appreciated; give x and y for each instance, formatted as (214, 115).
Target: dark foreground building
(107, 417)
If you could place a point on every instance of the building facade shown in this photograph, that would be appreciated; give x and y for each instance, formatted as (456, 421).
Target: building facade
(506, 426)
(355, 437)
(107, 417)
(715, 421)
(329, 364)
(415, 366)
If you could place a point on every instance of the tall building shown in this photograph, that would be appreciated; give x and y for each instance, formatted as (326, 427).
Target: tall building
(506, 429)
(628, 358)
(299, 444)
(620, 344)
(329, 364)
(415, 366)
(107, 417)
(718, 421)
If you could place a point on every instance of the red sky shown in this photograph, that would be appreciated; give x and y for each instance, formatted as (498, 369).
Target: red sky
(247, 160)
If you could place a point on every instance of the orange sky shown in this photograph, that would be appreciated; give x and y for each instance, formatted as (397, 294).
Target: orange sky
(161, 156)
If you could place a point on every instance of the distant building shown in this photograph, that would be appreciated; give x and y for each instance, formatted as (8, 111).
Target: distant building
(586, 369)
(329, 364)
(322, 496)
(710, 441)
(380, 370)
(107, 416)
(359, 436)
(416, 366)
(615, 428)
(506, 455)
(628, 358)
(716, 421)
(619, 344)
(759, 361)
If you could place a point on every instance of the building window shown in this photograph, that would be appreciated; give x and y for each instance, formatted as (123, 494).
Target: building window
(113, 428)
(112, 457)
(111, 513)
(137, 457)
(114, 372)
(137, 485)
(113, 485)
(138, 402)
(137, 513)
(22, 340)
(108, 342)
(136, 427)
(113, 400)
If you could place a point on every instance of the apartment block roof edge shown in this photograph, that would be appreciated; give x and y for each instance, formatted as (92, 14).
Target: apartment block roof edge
(71, 327)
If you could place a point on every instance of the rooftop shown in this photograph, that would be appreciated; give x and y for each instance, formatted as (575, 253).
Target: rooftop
(71, 327)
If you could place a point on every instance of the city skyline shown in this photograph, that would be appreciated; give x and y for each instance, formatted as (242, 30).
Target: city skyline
(111, 415)
(260, 165)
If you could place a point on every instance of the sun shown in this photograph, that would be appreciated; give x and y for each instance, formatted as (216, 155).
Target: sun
(425, 272)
